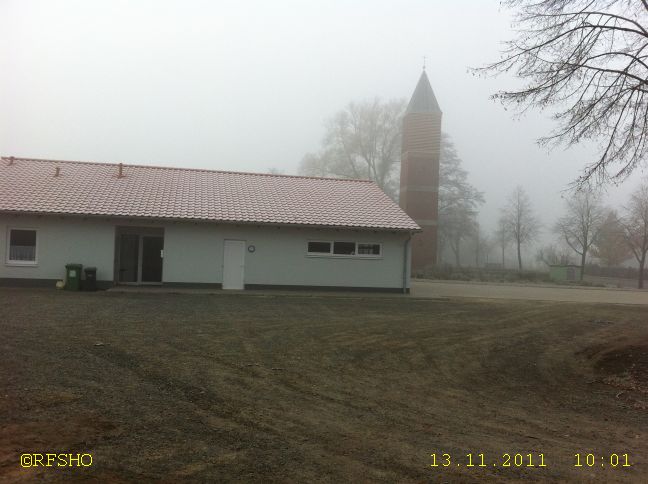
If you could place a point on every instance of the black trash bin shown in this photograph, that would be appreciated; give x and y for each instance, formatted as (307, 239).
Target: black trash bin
(90, 282)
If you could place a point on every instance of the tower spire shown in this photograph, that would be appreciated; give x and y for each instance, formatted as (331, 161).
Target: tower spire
(423, 100)
(419, 180)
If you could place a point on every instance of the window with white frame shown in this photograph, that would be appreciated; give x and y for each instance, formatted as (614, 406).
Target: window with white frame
(21, 247)
(369, 249)
(344, 249)
(319, 248)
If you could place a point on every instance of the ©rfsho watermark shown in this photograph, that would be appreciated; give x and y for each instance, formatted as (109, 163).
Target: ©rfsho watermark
(55, 460)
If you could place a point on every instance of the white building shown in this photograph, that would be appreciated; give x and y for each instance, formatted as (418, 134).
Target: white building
(171, 226)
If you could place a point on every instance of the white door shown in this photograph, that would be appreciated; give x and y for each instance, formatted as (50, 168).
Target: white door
(233, 264)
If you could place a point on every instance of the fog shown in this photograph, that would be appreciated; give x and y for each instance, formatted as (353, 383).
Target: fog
(248, 85)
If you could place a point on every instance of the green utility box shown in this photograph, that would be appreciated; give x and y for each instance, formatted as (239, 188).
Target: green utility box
(73, 277)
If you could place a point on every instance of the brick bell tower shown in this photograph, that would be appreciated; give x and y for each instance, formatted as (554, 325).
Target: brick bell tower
(419, 178)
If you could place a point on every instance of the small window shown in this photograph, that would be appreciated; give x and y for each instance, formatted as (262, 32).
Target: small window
(344, 248)
(22, 246)
(319, 247)
(368, 249)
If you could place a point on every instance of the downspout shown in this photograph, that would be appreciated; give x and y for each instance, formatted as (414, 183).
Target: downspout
(405, 261)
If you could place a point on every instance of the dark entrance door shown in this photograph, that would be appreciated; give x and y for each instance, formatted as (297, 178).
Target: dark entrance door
(128, 257)
(152, 258)
(138, 257)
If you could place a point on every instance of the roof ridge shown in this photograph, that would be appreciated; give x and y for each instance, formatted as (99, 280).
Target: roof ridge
(158, 167)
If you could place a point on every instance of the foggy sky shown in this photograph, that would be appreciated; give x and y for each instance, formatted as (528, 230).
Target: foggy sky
(247, 85)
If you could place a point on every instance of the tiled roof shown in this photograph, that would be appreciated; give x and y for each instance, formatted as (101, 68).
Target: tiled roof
(83, 188)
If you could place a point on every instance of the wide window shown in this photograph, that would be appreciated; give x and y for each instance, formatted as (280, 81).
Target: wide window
(319, 247)
(22, 246)
(344, 249)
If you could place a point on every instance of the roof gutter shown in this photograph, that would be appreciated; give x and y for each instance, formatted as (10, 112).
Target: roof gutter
(210, 221)
(406, 249)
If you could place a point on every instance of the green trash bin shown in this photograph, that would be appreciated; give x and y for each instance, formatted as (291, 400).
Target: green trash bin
(73, 277)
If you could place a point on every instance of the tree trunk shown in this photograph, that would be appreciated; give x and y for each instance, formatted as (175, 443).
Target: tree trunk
(455, 245)
(642, 263)
(503, 261)
(519, 251)
(582, 265)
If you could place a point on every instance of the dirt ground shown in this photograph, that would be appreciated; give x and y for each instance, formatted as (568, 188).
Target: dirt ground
(217, 388)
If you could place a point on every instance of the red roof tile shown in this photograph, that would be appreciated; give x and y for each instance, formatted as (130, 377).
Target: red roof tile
(30, 185)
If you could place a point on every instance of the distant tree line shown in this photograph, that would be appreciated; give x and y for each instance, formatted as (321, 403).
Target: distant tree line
(590, 228)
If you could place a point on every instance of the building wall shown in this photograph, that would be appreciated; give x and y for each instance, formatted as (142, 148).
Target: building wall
(280, 256)
(59, 242)
(193, 253)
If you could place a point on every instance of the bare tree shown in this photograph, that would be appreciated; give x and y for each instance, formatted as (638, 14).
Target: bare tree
(456, 225)
(588, 60)
(361, 141)
(611, 247)
(481, 245)
(553, 254)
(519, 221)
(580, 226)
(503, 238)
(459, 201)
(636, 227)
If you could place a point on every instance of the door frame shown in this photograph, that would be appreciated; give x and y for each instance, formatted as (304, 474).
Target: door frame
(141, 232)
(244, 242)
(141, 259)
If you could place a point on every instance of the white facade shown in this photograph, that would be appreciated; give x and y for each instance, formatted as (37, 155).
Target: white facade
(194, 253)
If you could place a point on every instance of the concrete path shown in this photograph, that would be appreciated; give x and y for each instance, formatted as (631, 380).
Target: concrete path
(423, 288)
(434, 289)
